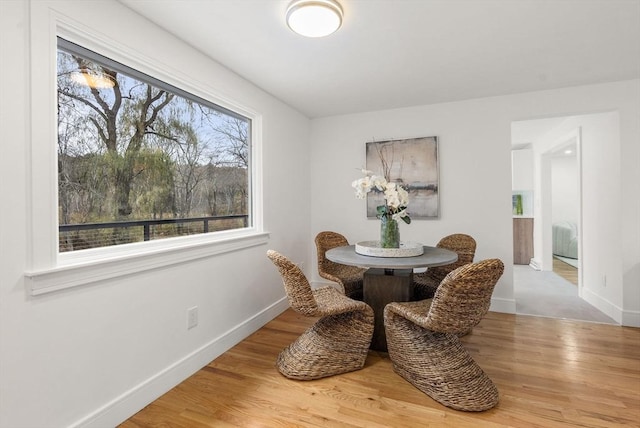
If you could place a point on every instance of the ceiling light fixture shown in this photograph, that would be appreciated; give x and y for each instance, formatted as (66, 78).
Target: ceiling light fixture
(314, 18)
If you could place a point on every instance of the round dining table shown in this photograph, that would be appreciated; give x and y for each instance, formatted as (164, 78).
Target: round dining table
(431, 256)
(388, 279)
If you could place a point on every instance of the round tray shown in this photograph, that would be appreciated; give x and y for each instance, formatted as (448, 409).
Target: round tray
(373, 248)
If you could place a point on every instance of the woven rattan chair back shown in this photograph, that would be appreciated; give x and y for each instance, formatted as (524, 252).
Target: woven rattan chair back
(348, 278)
(337, 342)
(426, 283)
(463, 245)
(295, 283)
(423, 342)
(325, 241)
(464, 297)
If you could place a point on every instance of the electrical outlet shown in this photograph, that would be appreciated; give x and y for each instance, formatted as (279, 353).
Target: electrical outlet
(192, 317)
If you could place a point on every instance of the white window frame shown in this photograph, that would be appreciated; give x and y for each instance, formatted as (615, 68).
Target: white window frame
(50, 270)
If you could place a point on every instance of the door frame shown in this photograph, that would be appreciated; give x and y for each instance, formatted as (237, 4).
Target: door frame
(546, 222)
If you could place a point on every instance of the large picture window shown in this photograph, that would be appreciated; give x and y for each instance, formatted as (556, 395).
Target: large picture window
(139, 159)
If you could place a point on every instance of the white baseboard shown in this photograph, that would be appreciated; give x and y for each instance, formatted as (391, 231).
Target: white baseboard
(507, 306)
(127, 404)
(623, 317)
(535, 264)
(602, 304)
(631, 318)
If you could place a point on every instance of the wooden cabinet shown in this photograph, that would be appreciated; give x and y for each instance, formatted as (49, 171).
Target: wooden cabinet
(522, 240)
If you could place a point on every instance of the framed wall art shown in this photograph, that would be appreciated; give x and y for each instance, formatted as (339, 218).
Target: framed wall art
(412, 163)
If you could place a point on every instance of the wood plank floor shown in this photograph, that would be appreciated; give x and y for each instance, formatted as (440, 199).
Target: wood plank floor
(550, 373)
(566, 271)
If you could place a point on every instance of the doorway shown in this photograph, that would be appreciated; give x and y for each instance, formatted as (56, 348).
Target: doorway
(543, 286)
(563, 196)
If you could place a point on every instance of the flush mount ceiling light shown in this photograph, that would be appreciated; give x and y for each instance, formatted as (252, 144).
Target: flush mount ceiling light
(314, 18)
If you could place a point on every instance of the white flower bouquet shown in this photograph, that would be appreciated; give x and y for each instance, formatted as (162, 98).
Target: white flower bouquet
(396, 198)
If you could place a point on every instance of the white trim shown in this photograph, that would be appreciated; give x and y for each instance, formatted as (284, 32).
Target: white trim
(122, 407)
(535, 264)
(544, 220)
(48, 270)
(631, 318)
(507, 306)
(578, 136)
(94, 269)
(86, 37)
(602, 304)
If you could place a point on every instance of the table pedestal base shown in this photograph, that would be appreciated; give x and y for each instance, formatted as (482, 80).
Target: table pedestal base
(383, 286)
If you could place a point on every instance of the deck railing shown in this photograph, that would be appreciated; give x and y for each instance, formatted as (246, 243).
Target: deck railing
(92, 235)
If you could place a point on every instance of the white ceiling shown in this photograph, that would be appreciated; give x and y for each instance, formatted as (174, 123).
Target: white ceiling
(399, 53)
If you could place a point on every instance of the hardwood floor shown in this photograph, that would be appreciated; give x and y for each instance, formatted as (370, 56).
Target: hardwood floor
(550, 373)
(566, 271)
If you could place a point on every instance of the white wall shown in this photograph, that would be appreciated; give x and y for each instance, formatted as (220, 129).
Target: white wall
(93, 355)
(603, 232)
(475, 177)
(522, 178)
(522, 169)
(564, 189)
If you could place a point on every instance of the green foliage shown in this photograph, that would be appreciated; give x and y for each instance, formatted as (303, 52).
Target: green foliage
(135, 152)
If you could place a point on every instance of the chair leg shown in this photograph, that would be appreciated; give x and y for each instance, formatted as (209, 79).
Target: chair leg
(438, 365)
(335, 344)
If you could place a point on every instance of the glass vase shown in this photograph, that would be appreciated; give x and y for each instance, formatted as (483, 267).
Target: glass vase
(389, 233)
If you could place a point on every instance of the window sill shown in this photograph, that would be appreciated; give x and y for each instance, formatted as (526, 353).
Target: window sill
(76, 270)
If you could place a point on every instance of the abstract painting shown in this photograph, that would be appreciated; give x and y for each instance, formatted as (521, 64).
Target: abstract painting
(413, 164)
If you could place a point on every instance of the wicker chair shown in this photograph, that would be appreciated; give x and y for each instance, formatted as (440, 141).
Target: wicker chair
(339, 340)
(425, 283)
(349, 278)
(423, 343)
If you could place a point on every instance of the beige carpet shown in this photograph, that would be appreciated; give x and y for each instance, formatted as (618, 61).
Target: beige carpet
(546, 294)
